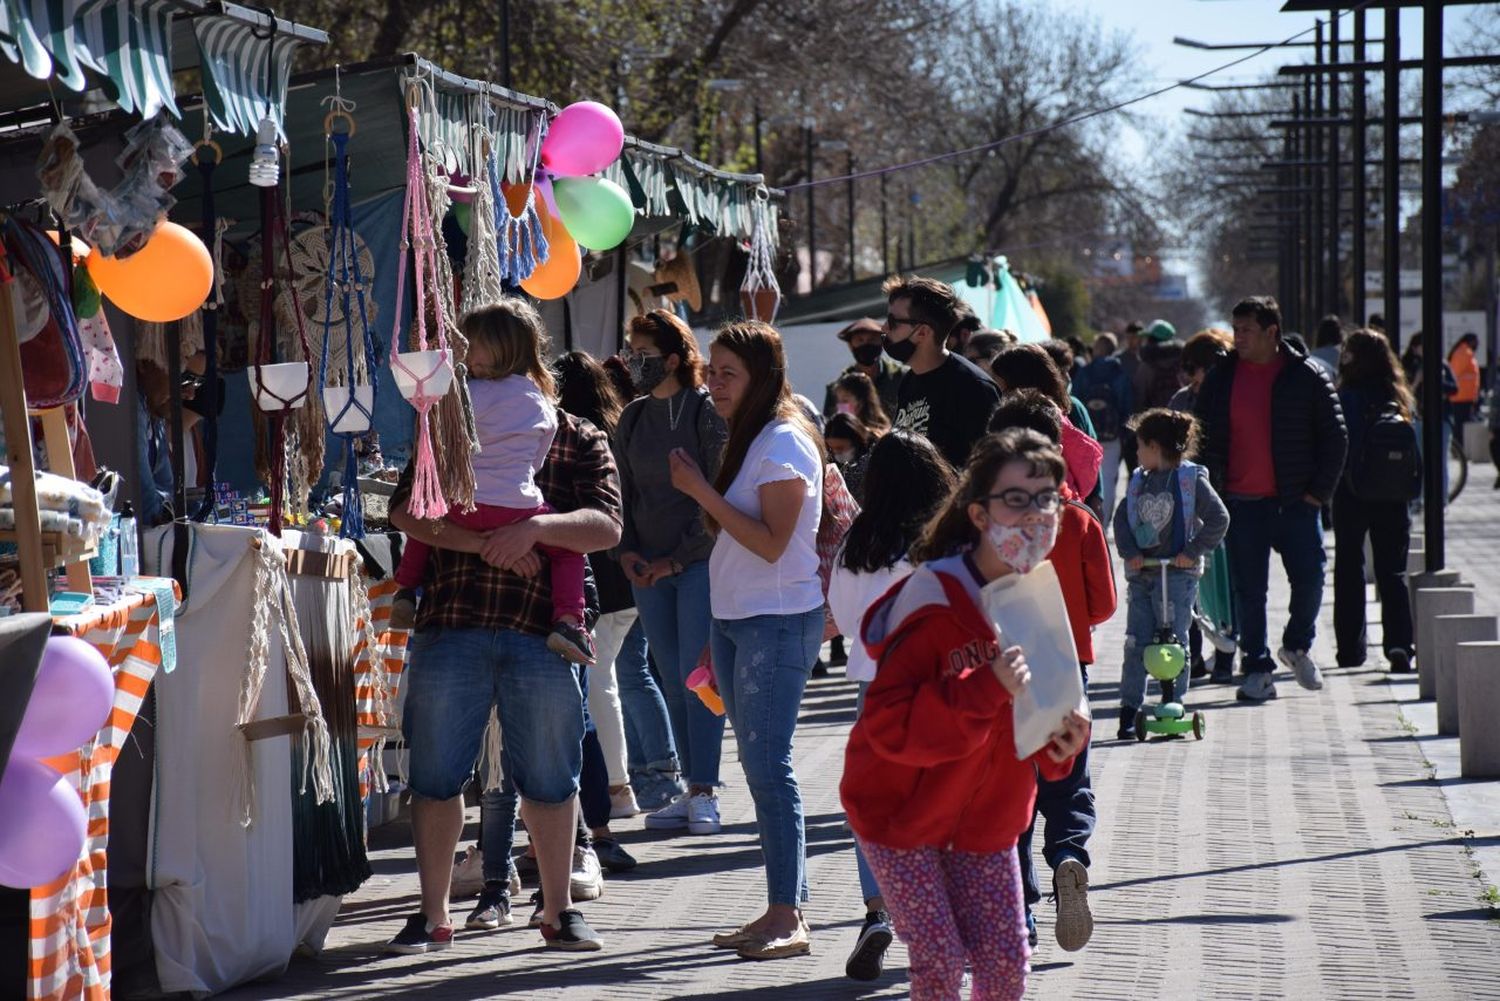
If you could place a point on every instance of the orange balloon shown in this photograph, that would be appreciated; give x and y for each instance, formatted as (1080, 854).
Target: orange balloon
(515, 198)
(556, 276)
(165, 280)
(80, 249)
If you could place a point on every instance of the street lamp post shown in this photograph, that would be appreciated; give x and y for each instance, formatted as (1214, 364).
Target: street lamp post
(1433, 487)
(1390, 192)
(1358, 195)
(1334, 233)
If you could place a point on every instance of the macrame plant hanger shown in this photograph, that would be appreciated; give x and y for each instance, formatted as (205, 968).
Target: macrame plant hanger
(519, 239)
(212, 231)
(482, 281)
(350, 405)
(423, 374)
(760, 295)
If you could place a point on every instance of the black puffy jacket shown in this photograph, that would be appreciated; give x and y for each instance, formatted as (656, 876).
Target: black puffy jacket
(1308, 438)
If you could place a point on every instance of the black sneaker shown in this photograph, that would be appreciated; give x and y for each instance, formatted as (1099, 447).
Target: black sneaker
(1031, 938)
(493, 909)
(526, 868)
(1223, 673)
(613, 856)
(535, 921)
(837, 655)
(571, 643)
(1199, 669)
(1400, 661)
(404, 608)
(867, 961)
(572, 934)
(420, 936)
(1127, 723)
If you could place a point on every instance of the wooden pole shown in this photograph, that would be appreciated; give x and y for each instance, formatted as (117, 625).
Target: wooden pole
(34, 597)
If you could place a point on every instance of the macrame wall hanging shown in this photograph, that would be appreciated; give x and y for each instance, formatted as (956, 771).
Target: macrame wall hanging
(760, 295)
(424, 374)
(280, 388)
(520, 242)
(348, 395)
(482, 282)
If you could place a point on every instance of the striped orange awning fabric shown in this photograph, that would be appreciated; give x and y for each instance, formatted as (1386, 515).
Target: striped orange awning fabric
(70, 922)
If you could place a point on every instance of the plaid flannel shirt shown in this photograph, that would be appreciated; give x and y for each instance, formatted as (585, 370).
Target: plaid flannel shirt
(464, 592)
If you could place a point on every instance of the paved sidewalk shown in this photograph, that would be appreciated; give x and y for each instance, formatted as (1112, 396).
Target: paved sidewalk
(1300, 850)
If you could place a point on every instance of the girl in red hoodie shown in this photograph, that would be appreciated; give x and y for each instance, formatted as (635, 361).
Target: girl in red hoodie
(932, 785)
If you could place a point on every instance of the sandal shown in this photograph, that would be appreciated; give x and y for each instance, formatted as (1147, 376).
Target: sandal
(736, 939)
(798, 943)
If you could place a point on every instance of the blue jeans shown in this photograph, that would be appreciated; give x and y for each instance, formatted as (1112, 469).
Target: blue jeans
(497, 831)
(675, 614)
(454, 677)
(869, 889)
(1295, 530)
(1143, 616)
(648, 728)
(1068, 807)
(762, 665)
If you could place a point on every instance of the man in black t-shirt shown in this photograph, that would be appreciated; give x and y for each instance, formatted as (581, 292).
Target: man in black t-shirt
(944, 397)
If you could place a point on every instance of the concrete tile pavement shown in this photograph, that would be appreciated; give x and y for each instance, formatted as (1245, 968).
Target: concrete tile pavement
(1301, 849)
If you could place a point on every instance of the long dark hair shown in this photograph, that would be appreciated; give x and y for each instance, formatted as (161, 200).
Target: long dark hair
(867, 401)
(951, 530)
(1369, 365)
(905, 482)
(584, 389)
(768, 396)
(1029, 366)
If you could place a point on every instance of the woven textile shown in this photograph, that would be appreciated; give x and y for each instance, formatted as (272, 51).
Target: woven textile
(70, 922)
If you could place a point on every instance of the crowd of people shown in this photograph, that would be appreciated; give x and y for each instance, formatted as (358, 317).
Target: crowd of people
(687, 532)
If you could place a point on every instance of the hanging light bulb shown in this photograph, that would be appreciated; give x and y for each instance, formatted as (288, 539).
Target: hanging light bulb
(265, 161)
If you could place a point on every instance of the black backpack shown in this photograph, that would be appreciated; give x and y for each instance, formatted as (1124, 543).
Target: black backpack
(1388, 465)
(1100, 403)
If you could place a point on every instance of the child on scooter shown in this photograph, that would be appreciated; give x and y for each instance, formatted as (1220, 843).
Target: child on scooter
(1170, 513)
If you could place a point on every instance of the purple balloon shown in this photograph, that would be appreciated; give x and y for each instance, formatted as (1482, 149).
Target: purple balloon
(42, 824)
(583, 139)
(72, 699)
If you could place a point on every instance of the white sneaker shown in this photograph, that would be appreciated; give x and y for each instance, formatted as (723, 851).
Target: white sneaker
(703, 814)
(1257, 688)
(468, 875)
(587, 880)
(672, 817)
(1302, 667)
(622, 803)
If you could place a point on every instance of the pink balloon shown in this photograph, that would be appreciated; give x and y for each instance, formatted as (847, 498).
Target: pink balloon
(42, 824)
(583, 139)
(72, 699)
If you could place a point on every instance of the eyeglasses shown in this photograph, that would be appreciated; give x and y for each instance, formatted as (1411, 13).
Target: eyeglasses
(191, 380)
(892, 321)
(1045, 500)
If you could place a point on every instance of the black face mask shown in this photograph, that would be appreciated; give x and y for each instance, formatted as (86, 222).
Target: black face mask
(867, 354)
(902, 351)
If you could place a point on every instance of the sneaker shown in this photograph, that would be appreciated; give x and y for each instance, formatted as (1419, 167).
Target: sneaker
(1257, 687)
(655, 790)
(1199, 668)
(525, 868)
(1031, 938)
(613, 856)
(703, 814)
(1127, 723)
(837, 655)
(1075, 922)
(1223, 672)
(572, 934)
(867, 961)
(404, 608)
(672, 817)
(1400, 661)
(1302, 667)
(419, 936)
(622, 803)
(468, 875)
(571, 643)
(493, 909)
(587, 880)
(535, 921)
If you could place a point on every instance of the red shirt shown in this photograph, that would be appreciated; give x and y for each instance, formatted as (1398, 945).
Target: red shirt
(932, 759)
(1252, 468)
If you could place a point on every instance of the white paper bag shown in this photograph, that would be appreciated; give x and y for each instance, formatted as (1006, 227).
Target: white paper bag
(1029, 612)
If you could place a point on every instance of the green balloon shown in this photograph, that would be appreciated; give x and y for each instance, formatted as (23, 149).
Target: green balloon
(463, 214)
(597, 211)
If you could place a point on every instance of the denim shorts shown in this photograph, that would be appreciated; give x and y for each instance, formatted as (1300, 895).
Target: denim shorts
(454, 676)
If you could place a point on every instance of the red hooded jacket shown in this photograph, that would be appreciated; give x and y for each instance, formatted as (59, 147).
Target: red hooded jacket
(932, 760)
(1081, 558)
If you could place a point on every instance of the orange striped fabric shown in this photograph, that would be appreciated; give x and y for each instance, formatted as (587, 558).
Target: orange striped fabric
(70, 922)
(390, 647)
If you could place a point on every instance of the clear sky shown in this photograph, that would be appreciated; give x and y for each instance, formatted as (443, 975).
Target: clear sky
(1154, 23)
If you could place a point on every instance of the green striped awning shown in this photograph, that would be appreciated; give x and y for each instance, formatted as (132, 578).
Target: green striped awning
(238, 85)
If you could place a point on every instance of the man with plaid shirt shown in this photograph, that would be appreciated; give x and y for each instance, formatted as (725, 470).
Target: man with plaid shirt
(481, 641)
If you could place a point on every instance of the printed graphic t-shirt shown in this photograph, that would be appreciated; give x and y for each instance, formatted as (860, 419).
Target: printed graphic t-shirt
(949, 406)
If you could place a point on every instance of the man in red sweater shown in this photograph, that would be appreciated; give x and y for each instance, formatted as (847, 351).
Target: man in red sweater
(1081, 559)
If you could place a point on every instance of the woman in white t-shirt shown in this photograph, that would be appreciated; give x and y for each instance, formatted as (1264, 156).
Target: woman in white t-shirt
(767, 603)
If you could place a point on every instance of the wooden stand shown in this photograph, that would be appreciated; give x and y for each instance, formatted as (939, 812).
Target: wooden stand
(38, 552)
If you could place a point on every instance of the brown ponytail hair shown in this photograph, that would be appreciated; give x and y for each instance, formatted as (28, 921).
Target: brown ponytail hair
(951, 530)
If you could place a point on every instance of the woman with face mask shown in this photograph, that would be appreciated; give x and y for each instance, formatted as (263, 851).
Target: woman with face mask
(664, 546)
(932, 785)
(854, 394)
